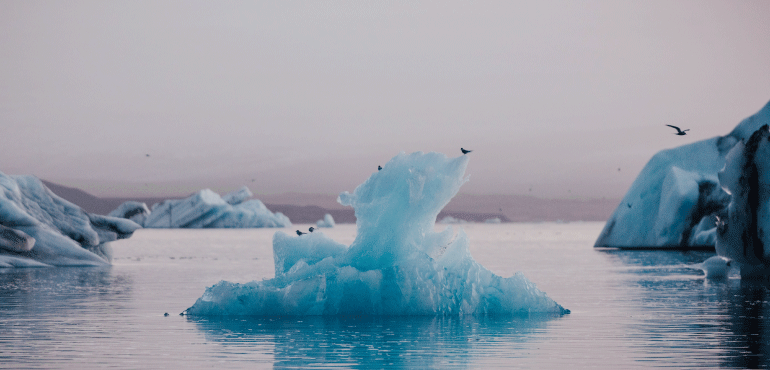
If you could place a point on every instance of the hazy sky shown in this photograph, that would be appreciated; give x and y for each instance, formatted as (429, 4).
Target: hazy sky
(312, 96)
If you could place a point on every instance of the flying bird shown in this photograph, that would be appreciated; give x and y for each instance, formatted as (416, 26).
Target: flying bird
(300, 233)
(679, 131)
(311, 229)
(465, 151)
(379, 168)
(147, 155)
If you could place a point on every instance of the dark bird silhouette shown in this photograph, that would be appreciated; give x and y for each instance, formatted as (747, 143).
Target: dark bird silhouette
(147, 155)
(465, 151)
(379, 168)
(629, 205)
(300, 233)
(311, 229)
(165, 314)
(679, 131)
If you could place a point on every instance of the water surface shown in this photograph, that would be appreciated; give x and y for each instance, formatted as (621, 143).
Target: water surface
(629, 309)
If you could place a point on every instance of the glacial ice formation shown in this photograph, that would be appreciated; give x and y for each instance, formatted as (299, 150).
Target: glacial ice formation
(742, 228)
(674, 201)
(38, 228)
(205, 209)
(327, 221)
(397, 264)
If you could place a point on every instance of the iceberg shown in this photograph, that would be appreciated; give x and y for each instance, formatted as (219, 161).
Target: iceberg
(327, 221)
(38, 228)
(204, 209)
(397, 265)
(741, 228)
(674, 200)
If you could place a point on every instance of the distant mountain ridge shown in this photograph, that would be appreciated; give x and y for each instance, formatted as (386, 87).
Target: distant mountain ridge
(304, 208)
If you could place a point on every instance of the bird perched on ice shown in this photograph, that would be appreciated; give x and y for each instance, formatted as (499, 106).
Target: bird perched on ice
(379, 168)
(679, 131)
(311, 229)
(465, 151)
(300, 233)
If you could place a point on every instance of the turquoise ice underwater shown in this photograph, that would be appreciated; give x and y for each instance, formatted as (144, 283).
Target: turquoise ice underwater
(397, 265)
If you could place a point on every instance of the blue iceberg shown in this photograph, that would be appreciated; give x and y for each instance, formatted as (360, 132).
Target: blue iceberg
(675, 199)
(38, 228)
(397, 265)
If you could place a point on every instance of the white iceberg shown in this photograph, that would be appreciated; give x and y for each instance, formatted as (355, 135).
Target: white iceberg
(327, 221)
(673, 201)
(205, 209)
(38, 228)
(397, 264)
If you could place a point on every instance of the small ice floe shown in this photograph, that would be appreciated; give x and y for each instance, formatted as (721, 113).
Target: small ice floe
(716, 267)
(327, 221)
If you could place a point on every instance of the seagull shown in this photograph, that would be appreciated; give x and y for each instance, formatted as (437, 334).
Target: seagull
(465, 151)
(311, 229)
(379, 168)
(300, 233)
(679, 131)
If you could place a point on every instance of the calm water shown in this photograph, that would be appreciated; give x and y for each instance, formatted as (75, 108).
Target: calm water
(629, 309)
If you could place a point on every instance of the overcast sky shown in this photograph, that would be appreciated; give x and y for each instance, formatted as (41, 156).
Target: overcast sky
(566, 98)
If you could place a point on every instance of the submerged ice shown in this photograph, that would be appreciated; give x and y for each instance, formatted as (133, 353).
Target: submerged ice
(397, 265)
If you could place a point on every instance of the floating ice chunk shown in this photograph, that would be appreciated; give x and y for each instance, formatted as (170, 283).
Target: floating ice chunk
(132, 210)
(494, 220)
(327, 221)
(674, 191)
(206, 209)
(40, 228)
(716, 267)
(452, 220)
(397, 264)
